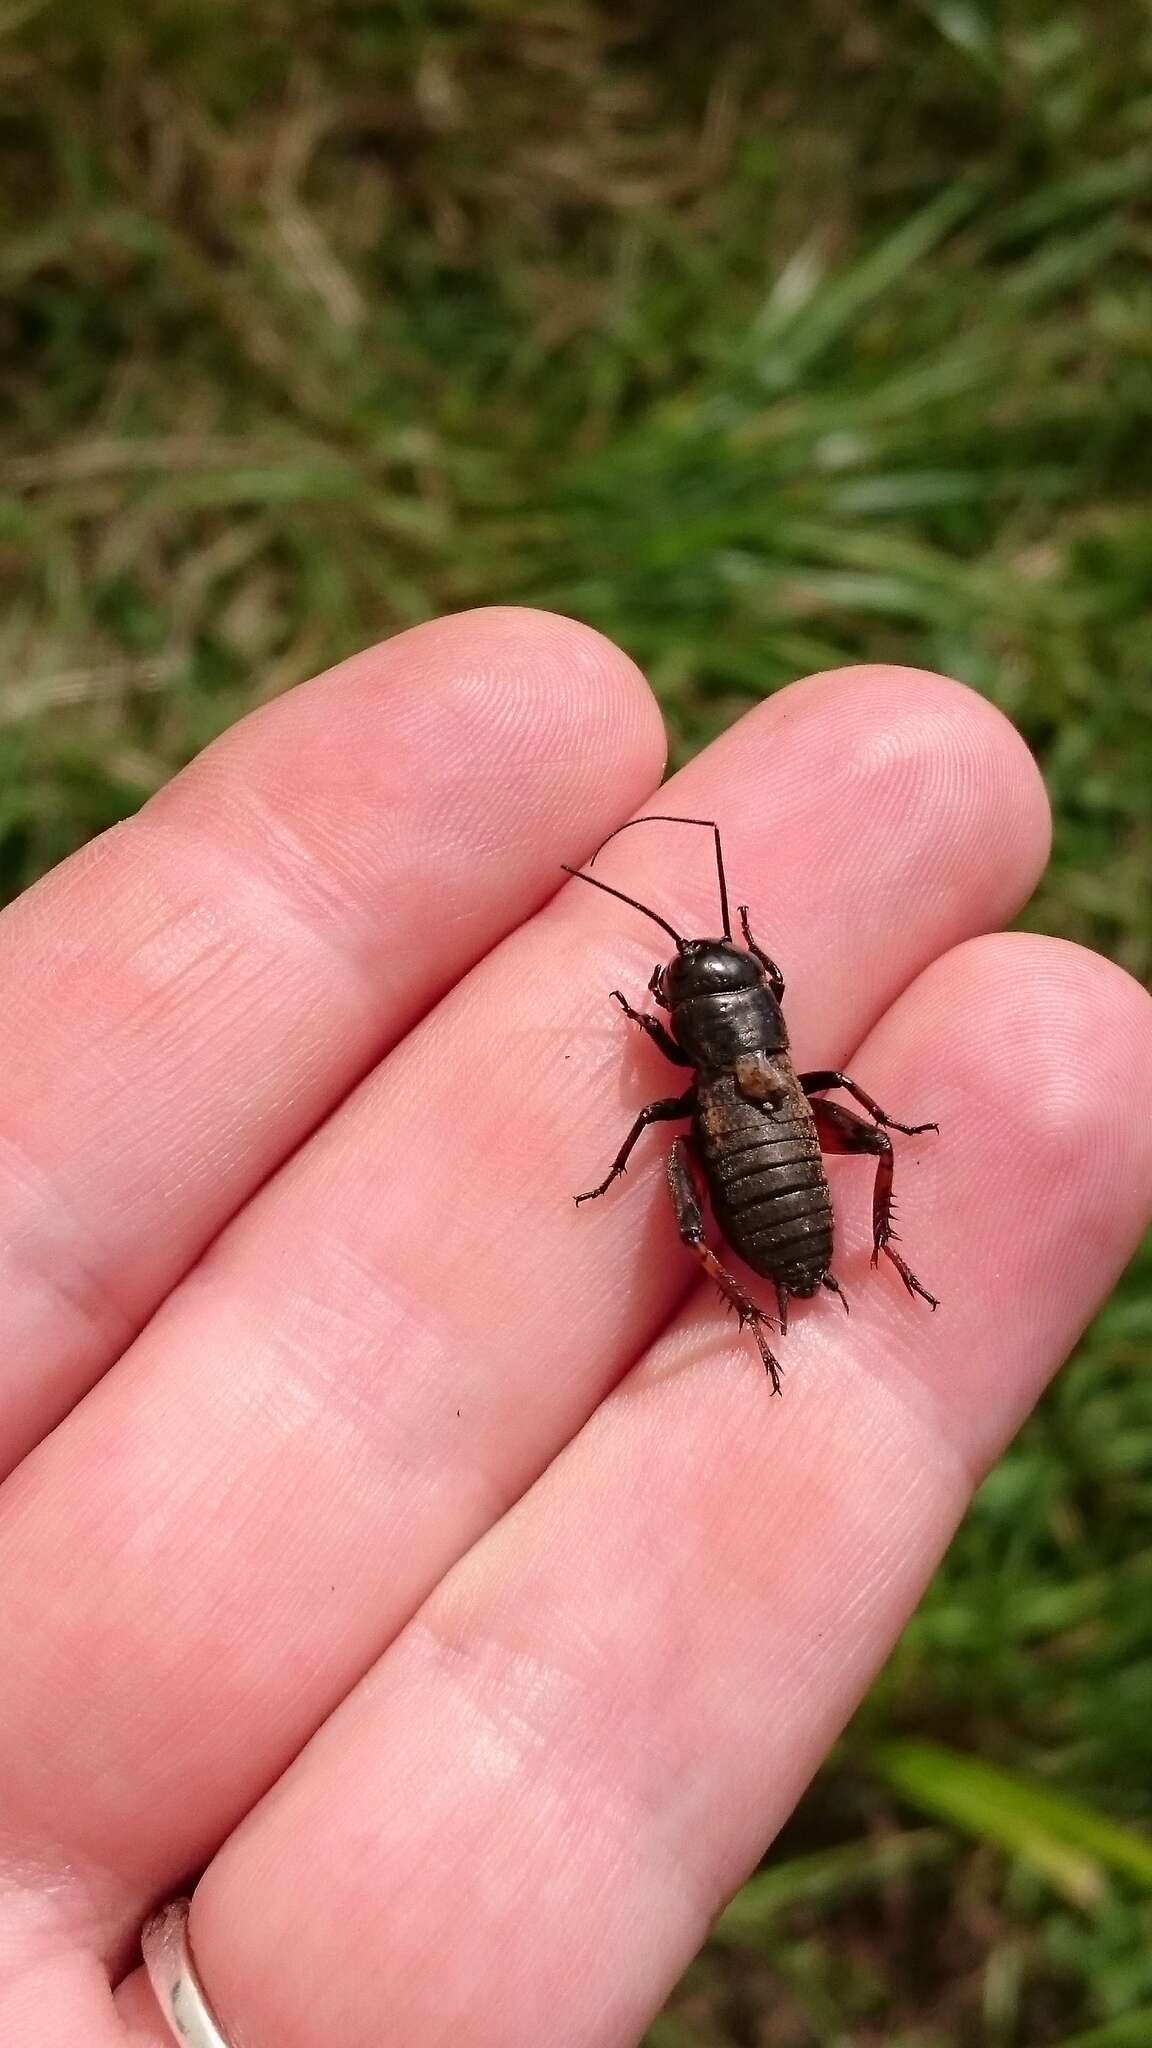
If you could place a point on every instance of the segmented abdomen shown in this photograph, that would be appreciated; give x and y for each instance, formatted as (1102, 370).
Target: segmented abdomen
(766, 1180)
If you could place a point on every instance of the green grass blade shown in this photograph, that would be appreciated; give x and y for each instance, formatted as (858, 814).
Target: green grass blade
(1131, 2030)
(1066, 1842)
(667, 2032)
(793, 331)
(968, 29)
(824, 1879)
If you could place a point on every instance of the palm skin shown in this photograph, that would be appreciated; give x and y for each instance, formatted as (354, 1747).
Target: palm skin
(417, 1558)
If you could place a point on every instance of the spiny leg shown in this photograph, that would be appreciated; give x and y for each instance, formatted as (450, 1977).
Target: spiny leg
(655, 1113)
(690, 1224)
(833, 1285)
(775, 978)
(842, 1131)
(656, 986)
(657, 1032)
(813, 1084)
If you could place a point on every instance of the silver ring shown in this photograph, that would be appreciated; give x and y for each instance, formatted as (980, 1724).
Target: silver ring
(172, 1974)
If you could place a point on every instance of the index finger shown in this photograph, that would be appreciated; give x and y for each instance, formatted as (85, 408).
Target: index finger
(187, 998)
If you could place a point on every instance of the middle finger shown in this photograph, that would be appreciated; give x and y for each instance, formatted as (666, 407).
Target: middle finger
(397, 1335)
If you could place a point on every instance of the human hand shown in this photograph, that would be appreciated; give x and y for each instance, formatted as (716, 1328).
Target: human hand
(372, 1433)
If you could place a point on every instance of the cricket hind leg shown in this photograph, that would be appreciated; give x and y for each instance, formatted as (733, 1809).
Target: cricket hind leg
(842, 1131)
(830, 1077)
(690, 1224)
(833, 1285)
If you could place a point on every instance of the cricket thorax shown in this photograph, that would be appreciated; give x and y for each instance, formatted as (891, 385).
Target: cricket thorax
(716, 1030)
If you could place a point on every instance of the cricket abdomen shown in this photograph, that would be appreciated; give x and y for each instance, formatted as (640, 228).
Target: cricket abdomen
(759, 1147)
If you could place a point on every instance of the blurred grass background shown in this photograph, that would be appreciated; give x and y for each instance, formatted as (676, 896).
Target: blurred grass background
(762, 338)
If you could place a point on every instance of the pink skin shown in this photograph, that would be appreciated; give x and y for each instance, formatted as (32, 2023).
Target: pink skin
(559, 1716)
(190, 996)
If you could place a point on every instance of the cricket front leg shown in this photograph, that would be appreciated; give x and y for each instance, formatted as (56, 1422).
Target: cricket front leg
(657, 1032)
(775, 978)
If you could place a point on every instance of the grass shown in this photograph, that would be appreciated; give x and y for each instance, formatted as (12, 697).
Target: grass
(763, 339)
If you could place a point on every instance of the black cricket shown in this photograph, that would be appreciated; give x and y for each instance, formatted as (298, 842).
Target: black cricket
(758, 1127)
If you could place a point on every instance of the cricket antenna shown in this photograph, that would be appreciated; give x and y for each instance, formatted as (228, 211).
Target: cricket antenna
(654, 818)
(595, 883)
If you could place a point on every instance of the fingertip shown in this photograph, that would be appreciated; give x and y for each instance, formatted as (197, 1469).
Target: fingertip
(540, 675)
(1061, 1062)
(935, 771)
(1081, 1025)
(920, 720)
(1052, 1001)
(496, 737)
